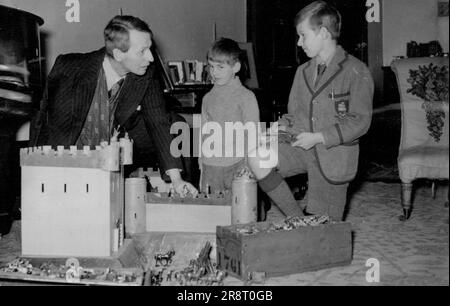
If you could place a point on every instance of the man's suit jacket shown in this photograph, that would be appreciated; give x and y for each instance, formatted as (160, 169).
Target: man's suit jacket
(68, 96)
(340, 107)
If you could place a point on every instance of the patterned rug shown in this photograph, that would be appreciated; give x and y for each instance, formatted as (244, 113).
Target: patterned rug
(409, 253)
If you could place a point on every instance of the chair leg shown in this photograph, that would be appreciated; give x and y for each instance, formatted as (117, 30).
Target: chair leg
(406, 201)
(433, 190)
(448, 193)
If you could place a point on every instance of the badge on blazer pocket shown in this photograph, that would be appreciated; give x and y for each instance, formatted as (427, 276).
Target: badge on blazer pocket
(342, 107)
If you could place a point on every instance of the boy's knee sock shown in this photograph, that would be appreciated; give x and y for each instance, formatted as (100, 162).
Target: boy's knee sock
(278, 190)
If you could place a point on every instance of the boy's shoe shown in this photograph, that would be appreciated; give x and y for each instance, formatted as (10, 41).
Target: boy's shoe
(307, 214)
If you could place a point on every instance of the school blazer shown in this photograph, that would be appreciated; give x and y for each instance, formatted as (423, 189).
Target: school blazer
(68, 96)
(340, 107)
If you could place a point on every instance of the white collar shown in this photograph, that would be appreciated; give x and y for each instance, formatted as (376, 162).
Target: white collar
(112, 77)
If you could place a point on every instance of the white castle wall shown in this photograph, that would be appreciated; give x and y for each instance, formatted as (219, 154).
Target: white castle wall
(75, 222)
(71, 205)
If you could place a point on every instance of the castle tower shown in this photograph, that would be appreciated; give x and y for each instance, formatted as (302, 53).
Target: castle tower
(72, 201)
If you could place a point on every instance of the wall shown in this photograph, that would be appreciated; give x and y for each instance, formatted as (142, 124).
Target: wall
(183, 28)
(375, 57)
(407, 20)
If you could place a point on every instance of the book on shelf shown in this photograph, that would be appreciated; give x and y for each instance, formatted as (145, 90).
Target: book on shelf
(199, 66)
(173, 73)
(189, 68)
(178, 68)
(188, 72)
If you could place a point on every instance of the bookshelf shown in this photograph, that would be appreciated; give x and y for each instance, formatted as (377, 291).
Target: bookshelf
(189, 82)
(183, 95)
(187, 99)
(188, 72)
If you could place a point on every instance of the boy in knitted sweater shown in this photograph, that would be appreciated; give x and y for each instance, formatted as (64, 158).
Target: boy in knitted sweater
(226, 109)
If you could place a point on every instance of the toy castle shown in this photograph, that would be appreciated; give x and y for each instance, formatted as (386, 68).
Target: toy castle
(73, 200)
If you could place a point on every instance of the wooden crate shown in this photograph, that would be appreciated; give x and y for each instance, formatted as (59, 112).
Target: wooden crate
(283, 252)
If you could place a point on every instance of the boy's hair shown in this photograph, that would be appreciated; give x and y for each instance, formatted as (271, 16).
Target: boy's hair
(321, 14)
(117, 35)
(225, 50)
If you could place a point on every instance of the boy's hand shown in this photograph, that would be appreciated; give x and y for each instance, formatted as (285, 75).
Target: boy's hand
(287, 121)
(308, 141)
(270, 134)
(291, 124)
(275, 128)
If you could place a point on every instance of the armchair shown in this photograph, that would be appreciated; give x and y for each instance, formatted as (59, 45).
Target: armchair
(424, 143)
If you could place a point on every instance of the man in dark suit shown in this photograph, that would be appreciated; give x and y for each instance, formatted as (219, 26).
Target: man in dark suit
(89, 95)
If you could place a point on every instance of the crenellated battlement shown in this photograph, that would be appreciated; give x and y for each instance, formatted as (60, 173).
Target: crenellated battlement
(105, 157)
(46, 156)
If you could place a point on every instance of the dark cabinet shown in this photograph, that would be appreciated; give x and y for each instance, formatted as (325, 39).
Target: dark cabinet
(20, 87)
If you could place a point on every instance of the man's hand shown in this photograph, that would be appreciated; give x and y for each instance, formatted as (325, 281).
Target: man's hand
(181, 187)
(308, 141)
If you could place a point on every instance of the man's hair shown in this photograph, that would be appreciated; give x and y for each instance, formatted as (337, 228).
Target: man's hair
(117, 35)
(225, 50)
(321, 14)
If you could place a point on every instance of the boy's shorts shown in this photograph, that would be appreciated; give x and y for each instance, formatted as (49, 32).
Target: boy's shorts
(219, 178)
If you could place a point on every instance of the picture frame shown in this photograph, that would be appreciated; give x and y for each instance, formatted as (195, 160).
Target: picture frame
(248, 73)
(442, 9)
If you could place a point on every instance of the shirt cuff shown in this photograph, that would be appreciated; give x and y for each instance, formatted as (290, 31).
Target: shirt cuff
(181, 170)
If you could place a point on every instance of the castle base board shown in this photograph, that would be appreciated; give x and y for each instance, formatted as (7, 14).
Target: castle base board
(126, 257)
(191, 218)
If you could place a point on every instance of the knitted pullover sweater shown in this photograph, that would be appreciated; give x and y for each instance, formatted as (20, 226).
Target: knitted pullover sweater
(227, 106)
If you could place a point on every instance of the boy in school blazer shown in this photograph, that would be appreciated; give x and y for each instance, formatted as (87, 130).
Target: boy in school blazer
(330, 107)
